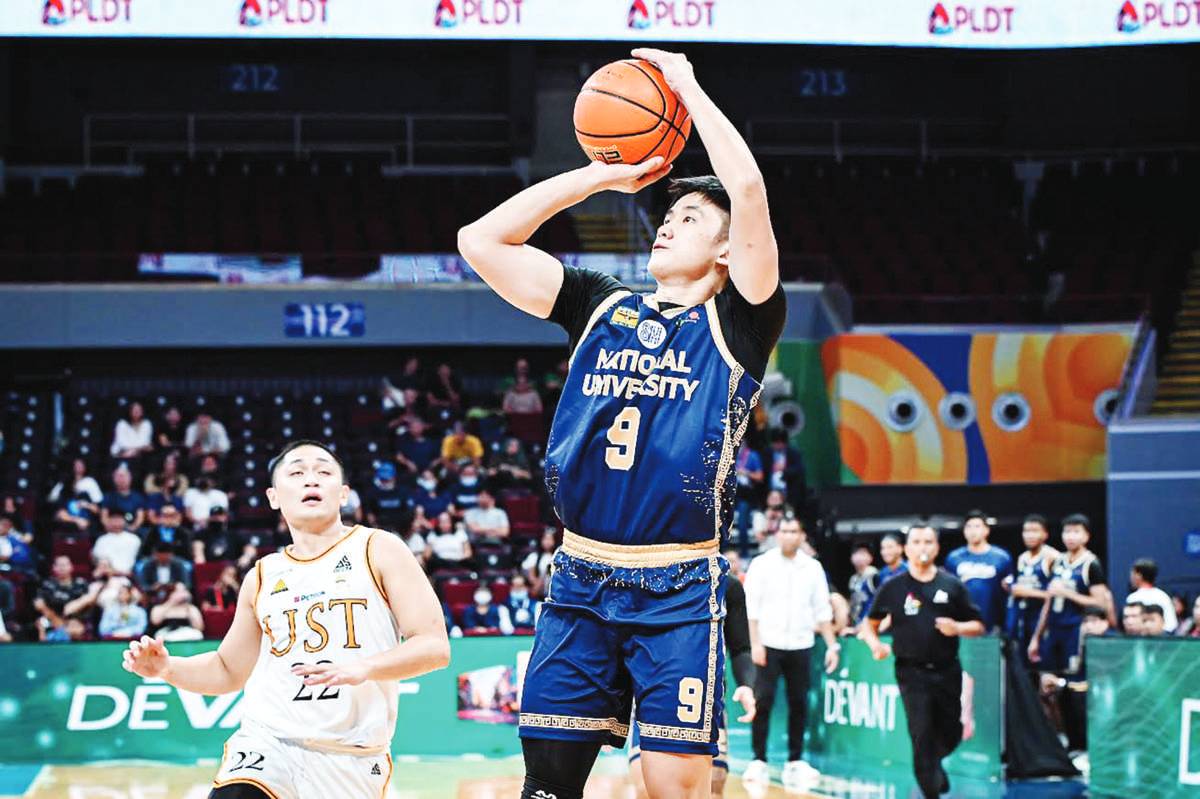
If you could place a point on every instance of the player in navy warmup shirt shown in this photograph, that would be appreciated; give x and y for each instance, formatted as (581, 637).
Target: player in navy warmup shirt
(1035, 569)
(639, 463)
(983, 569)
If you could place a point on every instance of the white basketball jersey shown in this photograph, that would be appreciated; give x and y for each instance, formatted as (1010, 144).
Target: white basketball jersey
(327, 609)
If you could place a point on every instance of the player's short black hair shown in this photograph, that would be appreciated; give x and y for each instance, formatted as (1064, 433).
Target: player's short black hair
(891, 537)
(861, 545)
(707, 186)
(976, 514)
(1138, 606)
(1080, 519)
(1151, 609)
(1037, 518)
(1147, 569)
(1094, 612)
(922, 524)
(303, 442)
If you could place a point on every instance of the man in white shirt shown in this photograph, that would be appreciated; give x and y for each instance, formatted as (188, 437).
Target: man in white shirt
(787, 600)
(118, 545)
(1142, 577)
(206, 436)
(199, 501)
(485, 521)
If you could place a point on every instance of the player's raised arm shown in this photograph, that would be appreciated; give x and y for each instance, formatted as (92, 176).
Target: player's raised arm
(219, 672)
(494, 245)
(753, 253)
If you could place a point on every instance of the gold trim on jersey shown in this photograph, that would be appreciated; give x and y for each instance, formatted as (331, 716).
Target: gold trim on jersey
(601, 309)
(714, 328)
(258, 588)
(574, 723)
(638, 556)
(383, 794)
(315, 558)
(371, 569)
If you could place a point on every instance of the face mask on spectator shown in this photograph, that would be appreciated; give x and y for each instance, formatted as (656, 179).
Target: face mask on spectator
(427, 484)
(469, 480)
(482, 597)
(519, 595)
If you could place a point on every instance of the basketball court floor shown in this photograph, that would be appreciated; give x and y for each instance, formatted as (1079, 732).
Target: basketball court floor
(479, 778)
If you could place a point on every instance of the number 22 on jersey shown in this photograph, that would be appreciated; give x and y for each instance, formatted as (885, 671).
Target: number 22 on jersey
(623, 435)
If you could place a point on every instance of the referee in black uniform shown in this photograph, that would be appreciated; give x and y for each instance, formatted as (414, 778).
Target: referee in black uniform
(930, 609)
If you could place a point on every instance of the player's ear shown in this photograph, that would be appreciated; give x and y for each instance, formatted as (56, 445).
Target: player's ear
(723, 251)
(273, 498)
(343, 495)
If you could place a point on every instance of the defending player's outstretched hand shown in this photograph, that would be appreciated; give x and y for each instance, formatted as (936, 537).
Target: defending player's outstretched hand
(627, 178)
(146, 657)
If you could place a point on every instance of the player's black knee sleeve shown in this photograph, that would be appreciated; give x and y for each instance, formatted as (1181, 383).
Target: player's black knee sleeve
(557, 769)
(238, 790)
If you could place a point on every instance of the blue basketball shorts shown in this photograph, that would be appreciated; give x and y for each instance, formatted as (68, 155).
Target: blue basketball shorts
(585, 674)
(1061, 650)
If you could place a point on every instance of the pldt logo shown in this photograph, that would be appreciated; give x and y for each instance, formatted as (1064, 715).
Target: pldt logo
(639, 16)
(256, 13)
(1127, 19)
(939, 21)
(977, 19)
(446, 15)
(60, 12)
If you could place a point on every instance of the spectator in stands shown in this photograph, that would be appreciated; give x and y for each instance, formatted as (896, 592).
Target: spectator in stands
(552, 386)
(483, 616)
(444, 392)
(765, 524)
(169, 473)
(223, 594)
(168, 493)
(102, 591)
(1154, 623)
(413, 376)
(749, 473)
(785, 470)
(863, 584)
(389, 505)
(737, 566)
(172, 436)
(1131, 618)
(133, 437)
(200, 500)
(17, 552)
(161, 569)
(216, 541)
(78, 483)
(76, 514)
(459, 445)
(520, 370)
(1142, 578)
(522, 608)
(983, 569)
(464, 490)
(176, 618)
(891, 552)
(117, 545)
(57, 598)
(123, 618)
(537, 564)
(448, 546)
(522, 398)
(485, 522)
(1190, 628)
(509, 466)
(452, 629)
(1180, 603)
(124, 501)
(210, 467)
(416, 538)
(206, 436)
(170, 531)
(414, 450)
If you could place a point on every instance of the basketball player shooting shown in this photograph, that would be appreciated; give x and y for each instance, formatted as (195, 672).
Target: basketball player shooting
(323, 632)
(639, 463)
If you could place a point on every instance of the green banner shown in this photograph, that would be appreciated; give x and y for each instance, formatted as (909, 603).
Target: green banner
(1144, 717)
(71, 703)
(800, 363)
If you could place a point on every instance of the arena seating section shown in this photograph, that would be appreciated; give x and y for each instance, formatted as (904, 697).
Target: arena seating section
(933, 242)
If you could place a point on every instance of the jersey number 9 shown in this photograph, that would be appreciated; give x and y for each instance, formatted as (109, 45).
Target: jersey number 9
(623, 434)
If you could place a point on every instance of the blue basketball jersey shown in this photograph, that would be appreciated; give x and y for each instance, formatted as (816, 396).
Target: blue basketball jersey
(639, 463)
(1077, 575)
(1036, 573)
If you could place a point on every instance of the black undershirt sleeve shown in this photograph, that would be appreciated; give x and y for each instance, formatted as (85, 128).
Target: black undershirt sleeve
(751, 331)
(582, 292)
(1095, 574)
(737, 632)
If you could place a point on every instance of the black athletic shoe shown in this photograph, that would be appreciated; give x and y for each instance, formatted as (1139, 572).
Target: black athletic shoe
(943, 780)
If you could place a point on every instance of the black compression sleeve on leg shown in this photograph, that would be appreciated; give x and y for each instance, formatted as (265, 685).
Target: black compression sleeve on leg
(238, 790)
(557, 769)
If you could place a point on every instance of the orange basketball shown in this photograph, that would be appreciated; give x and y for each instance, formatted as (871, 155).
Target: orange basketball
(626, 113)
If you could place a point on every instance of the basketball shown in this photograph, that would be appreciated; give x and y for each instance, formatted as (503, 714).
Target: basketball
(626, 113)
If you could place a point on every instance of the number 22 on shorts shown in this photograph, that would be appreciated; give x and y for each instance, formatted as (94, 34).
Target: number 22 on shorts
(623, 435)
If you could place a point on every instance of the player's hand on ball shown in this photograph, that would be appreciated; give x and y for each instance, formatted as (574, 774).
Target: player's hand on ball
(146, 657)
(675, 67)
(745, 695)
(628, 178)
(331, 673)
(946, 626)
